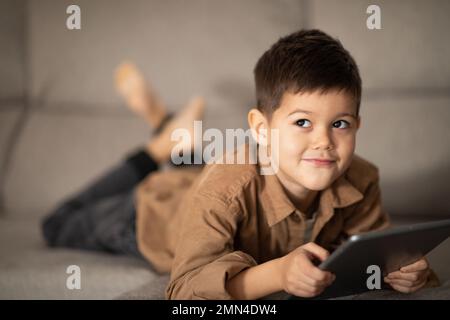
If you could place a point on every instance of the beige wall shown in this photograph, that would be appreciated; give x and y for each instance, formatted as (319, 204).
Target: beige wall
(210, 48)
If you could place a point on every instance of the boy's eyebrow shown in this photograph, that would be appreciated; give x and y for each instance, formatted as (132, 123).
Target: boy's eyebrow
(342, 114)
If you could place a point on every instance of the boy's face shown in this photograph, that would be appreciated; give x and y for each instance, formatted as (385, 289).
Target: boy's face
(317, 134)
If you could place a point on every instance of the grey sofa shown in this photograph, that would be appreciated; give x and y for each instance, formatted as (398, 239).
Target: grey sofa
(61, 123)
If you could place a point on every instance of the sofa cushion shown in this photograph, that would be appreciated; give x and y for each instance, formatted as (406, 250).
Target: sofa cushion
(30, 270)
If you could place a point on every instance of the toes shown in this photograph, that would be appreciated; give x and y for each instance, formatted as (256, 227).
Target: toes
(127, 77)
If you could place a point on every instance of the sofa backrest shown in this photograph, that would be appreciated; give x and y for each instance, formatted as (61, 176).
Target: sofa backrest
(76, 126)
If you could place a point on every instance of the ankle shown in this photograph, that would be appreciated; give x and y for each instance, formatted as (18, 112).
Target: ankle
(158, 150)
(155, 114)
(156, 118)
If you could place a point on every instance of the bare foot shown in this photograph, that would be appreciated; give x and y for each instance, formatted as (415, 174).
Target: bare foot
(132, 86)
(161, 146)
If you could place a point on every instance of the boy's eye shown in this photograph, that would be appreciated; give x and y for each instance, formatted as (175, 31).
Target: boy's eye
(341, 124)
(304, 123)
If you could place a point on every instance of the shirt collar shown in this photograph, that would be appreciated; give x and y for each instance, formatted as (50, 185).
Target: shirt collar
(277, 206)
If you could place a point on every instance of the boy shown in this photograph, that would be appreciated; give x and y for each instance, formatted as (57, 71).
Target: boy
(246, 235)
(229, 232)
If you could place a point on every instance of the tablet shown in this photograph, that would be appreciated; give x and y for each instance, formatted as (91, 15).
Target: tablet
(389, 249)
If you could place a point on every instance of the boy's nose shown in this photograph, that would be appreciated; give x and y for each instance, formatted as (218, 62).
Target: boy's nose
(322, 141)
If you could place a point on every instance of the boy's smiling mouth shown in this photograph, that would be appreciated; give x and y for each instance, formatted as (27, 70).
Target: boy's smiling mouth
(320, 162)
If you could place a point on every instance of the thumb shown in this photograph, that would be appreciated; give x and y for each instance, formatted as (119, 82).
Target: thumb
(316, 251)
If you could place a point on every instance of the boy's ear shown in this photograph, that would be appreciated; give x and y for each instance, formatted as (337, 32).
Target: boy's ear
(258, 125)
(358, 122)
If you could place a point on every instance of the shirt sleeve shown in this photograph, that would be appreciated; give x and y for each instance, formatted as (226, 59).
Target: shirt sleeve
(205, 258)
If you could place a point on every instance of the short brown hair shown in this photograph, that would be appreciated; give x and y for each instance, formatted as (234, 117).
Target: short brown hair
(304, 61)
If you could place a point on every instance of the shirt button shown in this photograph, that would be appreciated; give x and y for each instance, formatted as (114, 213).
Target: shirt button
(295, 217)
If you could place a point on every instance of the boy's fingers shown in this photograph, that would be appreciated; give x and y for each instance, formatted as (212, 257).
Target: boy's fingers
(401, 282)
(411, 276)
(316, 274)
(317, 251)
(395, 274)
(305, 290)
(419, 265)
(404, 289)
(400, 288)
(406, 282)
(303, 293)
(317, 283)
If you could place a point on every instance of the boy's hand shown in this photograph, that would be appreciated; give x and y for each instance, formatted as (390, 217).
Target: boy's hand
(409, 278)
(299, 276)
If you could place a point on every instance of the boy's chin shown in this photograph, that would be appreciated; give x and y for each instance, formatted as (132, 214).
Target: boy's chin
(317, 184)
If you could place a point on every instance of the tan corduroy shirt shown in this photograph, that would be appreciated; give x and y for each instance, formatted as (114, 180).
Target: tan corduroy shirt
(205, 226)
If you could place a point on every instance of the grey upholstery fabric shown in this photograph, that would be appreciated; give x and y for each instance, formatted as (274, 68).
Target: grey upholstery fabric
(30, 270)
(152, 290)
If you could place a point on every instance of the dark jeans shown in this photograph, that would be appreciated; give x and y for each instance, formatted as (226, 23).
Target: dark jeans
(102, 216)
